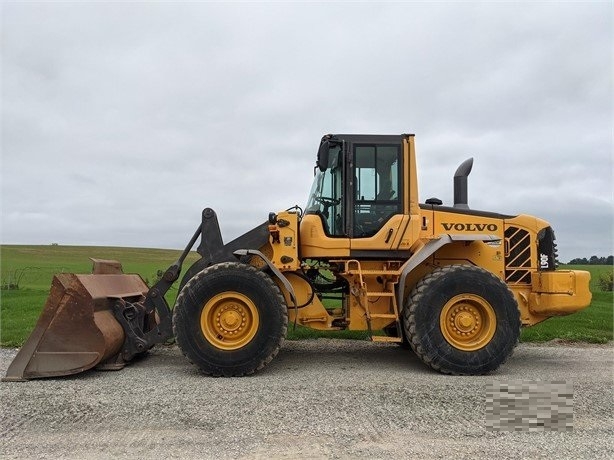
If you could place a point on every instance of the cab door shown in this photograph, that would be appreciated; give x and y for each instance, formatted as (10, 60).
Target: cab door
(376, 218)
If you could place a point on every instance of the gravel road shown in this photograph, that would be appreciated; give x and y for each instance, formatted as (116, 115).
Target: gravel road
(317, 399)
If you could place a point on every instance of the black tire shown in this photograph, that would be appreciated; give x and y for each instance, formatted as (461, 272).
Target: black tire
(230, 320)
(462, 320)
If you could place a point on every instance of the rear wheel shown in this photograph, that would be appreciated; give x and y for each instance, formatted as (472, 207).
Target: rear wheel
(462, 320)
(230, 319)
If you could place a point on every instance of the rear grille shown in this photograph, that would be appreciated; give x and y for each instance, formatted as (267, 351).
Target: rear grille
(518, 256)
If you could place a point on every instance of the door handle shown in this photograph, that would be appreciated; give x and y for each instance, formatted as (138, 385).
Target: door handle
(390, 232)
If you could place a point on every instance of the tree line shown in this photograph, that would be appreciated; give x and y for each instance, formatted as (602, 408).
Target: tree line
(593, 260)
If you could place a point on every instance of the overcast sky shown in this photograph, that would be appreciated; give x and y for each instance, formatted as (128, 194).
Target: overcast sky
(122, 121)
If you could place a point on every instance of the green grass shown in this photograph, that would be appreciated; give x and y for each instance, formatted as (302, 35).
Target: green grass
(19, 309)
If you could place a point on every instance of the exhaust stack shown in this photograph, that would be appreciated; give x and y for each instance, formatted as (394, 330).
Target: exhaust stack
(460, 184)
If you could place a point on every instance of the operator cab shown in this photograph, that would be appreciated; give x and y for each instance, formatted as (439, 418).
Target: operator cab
(358, 185)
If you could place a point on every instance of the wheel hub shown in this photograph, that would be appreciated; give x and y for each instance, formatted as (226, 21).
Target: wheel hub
(465, 321)
(468, 322)
(229, 320)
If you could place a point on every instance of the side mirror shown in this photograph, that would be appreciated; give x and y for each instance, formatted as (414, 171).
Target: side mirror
(323, 153)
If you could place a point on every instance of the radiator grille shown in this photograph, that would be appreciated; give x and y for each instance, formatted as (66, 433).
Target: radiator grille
(518, 256)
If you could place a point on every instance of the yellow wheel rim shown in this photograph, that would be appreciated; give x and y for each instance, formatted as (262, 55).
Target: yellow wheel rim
(468, 322)
(229, 320)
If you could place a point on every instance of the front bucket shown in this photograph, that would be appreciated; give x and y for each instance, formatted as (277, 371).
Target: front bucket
(77, 329)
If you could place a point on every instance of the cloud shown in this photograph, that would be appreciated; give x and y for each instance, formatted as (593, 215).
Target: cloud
(120, 122)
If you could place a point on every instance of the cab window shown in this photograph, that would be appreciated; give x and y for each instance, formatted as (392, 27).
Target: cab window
(377, 187)
(326, 196)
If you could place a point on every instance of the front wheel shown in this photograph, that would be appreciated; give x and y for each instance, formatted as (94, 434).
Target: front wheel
(230, 319)
(462, 319)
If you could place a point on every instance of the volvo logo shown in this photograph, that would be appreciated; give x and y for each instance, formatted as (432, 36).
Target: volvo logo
(470, 227)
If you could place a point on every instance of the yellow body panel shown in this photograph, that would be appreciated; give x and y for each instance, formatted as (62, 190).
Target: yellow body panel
(309, 311)
(284, 241)
(489, 255)
(412, 206)
(559, 292)
(397, 224)
(315, 243)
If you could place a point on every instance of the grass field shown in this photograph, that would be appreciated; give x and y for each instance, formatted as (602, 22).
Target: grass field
(33, 267)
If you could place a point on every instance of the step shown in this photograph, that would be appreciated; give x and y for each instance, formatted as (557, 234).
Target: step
(380, 294)
(384, 338)
(383, 315)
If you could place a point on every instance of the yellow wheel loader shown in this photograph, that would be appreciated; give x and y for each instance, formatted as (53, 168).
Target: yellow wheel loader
(452, 283)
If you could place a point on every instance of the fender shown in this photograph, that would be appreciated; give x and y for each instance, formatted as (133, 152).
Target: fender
(428, 250)
(274, 269)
